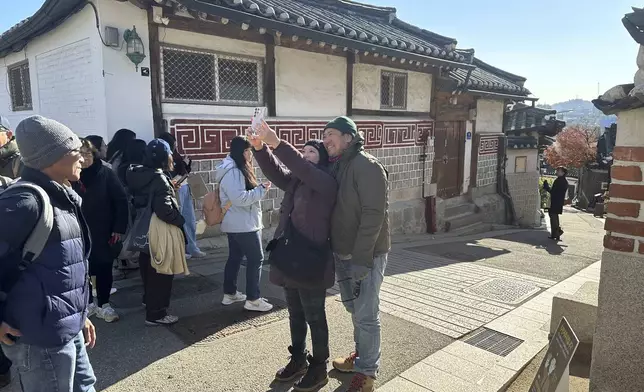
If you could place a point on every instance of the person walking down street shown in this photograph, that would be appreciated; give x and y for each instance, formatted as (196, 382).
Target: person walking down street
(361, 243)
(45, 329)
(242, 224)
(310, 193)
(10, 168)
(10, 163)
(558, 192)
(105, 208)
(183, 167)
(145, 181)
(116, 147)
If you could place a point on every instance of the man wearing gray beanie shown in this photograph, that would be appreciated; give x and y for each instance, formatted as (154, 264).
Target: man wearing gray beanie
(58, 333)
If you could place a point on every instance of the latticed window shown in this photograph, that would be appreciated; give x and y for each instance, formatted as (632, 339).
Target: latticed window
(205, 77)
(393, 90)
(20, 87)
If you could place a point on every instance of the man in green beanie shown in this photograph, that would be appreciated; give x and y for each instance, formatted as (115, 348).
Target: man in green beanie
(360, 242)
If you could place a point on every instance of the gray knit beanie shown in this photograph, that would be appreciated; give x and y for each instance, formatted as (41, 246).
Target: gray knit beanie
(43, 142)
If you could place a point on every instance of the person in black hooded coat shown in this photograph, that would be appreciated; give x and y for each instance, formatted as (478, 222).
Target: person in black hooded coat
(558, 193)
(105, 207)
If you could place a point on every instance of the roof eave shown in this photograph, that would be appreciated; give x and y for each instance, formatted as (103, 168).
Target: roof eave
(48, 17)
(490, 94)
(498, 71)
(286, 28)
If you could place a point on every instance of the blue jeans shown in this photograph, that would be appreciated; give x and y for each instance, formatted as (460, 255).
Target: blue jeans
(188, 212)
(58, 369)
(365, 312)
(250, 245)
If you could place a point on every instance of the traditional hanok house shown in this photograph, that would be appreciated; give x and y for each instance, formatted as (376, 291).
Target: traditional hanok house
(529, 130)
(470, 144)
(199, 68)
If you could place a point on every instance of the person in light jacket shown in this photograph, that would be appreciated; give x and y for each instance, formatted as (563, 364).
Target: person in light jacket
(242, 224)
(309, 198)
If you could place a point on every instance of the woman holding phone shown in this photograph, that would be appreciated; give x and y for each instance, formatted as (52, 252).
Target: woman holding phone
(242, 224)
(182, 168)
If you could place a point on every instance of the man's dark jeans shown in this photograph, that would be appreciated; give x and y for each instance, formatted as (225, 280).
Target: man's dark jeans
(307, 306)
(554, 224)
(250, 245)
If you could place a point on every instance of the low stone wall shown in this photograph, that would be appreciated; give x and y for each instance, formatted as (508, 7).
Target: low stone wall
(524, 189)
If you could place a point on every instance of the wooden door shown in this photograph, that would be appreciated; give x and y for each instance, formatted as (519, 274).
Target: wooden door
(449, 146)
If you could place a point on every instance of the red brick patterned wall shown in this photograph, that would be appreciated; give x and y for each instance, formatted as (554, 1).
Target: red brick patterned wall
(210, 139)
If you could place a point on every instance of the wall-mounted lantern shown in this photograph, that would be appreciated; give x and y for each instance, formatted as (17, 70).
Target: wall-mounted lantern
(135, 48)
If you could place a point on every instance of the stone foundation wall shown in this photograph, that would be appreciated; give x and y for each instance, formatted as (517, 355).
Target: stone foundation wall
(524, 189)
(396, 144)
(487, 161)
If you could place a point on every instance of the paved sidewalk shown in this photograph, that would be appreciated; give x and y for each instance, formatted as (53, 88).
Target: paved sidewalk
(461, 367)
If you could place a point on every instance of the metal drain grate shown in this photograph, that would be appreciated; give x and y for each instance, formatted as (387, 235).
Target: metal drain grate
(493, 341)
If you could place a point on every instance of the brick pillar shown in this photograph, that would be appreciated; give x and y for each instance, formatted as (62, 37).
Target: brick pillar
(618, 353)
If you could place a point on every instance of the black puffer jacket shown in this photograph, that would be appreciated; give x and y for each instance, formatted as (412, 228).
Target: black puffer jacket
(144, 181)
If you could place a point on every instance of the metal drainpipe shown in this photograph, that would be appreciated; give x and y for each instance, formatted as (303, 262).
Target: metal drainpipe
(502, 181)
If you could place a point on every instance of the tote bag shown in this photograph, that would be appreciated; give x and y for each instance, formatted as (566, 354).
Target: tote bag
(137, 239)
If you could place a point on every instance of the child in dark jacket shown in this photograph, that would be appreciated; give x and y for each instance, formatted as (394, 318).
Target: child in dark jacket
(310, 195)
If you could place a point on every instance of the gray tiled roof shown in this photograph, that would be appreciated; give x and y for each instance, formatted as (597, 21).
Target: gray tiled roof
(488, 78)
(525, 142)
(353, 20)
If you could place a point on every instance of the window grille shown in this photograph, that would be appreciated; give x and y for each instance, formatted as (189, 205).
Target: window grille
(206, 77)
(20, 87)
(393, 90)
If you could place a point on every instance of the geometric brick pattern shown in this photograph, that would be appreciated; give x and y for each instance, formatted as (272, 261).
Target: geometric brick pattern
(486, 170)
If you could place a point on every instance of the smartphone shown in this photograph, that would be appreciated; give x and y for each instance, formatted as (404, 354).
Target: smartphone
(178, 180)
(257, 119)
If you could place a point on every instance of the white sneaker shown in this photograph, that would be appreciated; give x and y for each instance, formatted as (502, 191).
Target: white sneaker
(188, 256)
(199, 254)
(259, 305)
(92, 309)
(107, 313)
(167, 320)
(230, 299)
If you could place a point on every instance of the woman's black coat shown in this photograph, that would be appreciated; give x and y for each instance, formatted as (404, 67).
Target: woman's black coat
(558, 193)
(105, 207)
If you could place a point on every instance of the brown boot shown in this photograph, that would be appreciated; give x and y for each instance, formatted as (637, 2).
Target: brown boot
(345, 364)
(361, 383)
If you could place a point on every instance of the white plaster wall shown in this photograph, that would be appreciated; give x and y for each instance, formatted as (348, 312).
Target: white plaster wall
(489, 116)
(127, 92)
(213, 43)
(309, 84)
(366, 88)
(532, 161)
(467, 157)
(69, 55)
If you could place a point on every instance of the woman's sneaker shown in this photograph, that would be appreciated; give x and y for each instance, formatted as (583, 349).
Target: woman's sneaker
(107, 313)
(295, 367)
(199, 254)
(92, 309)
(167, 320)
(259, 305)
(230, 299)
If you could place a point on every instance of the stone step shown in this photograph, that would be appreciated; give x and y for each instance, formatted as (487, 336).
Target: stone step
(474, 228)
(463, 220)
(459, 209)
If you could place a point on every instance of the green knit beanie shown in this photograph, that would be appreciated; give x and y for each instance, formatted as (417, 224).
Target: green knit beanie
(343, 124)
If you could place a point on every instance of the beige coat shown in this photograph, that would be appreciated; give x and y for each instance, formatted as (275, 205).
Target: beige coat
(167, 248)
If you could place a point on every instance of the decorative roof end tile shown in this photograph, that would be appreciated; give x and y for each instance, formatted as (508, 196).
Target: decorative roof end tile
(341, 31)
(301, 21)
(284, 16)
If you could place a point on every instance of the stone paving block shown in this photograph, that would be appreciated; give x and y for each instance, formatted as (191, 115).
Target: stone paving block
(473, 354)
(523, 354)
(436, 380)
(456, 366)
(400, 384)
(518, 321)
(495, 379)
(533, 315)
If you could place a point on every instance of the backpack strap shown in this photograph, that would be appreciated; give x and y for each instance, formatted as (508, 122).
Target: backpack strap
(38, 238)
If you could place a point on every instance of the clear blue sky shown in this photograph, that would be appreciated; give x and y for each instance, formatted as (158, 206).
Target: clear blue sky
(563, 47)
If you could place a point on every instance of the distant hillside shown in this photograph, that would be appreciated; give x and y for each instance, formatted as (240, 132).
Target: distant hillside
(579, 111)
